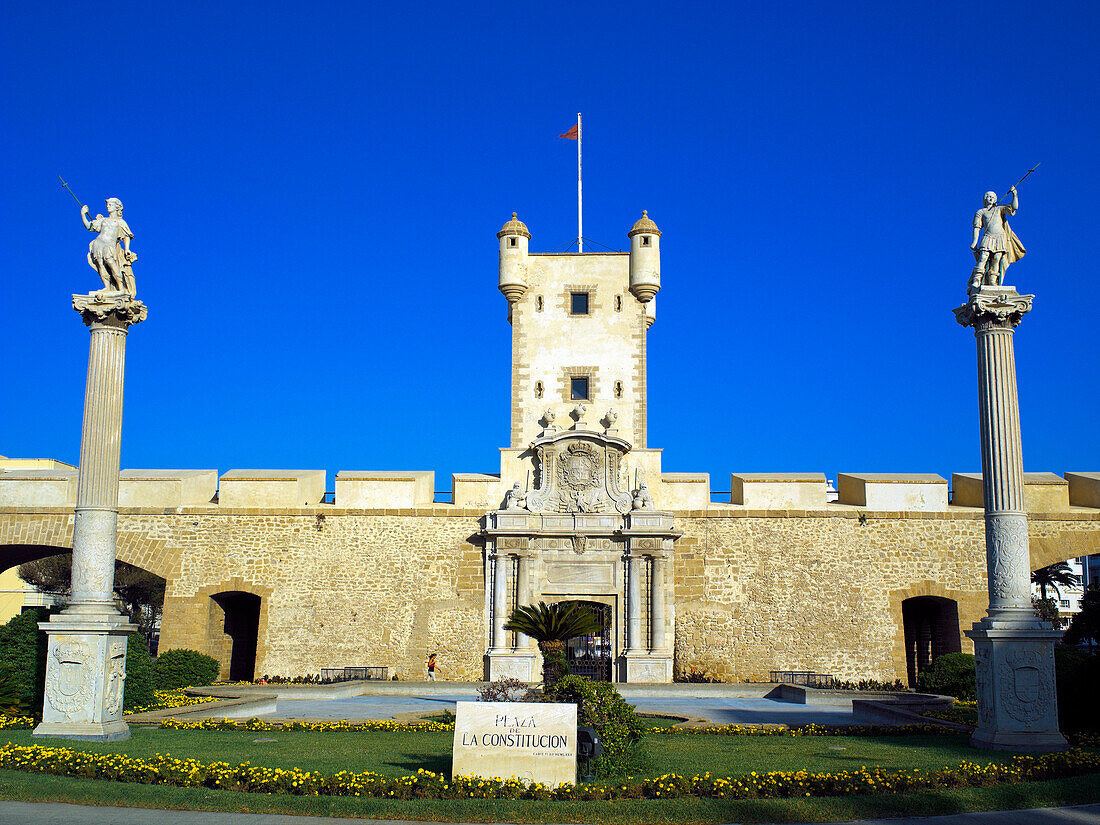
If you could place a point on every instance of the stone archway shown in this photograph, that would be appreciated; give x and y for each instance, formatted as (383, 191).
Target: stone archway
(931, 626)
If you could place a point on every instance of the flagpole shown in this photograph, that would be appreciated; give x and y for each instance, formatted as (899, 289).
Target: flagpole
(580, 218)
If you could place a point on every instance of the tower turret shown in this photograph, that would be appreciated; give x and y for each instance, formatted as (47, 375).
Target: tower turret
(513, 238)
(645, 259)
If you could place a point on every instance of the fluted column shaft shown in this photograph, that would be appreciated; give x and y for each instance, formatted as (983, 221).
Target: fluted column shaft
(657, 602)
(501, 563)
(634, 604)
(523, 593)
(95, 527)
(1007, 553)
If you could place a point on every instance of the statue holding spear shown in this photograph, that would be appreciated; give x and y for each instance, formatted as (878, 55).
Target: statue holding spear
(109, 252)
(999, 245)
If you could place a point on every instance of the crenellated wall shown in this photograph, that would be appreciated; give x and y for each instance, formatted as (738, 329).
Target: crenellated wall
(753, 589)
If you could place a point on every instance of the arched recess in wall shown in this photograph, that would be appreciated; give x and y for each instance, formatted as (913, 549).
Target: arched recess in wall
(140, 592)
(931, 626)
(234, 629)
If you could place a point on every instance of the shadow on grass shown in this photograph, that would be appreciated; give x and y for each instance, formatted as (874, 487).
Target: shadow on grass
(411, 762)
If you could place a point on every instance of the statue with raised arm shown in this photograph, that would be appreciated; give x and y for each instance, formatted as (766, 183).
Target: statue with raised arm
(999, 245)
(109, 253)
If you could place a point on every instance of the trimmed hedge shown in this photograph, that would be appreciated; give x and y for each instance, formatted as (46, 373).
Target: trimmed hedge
(139, 674)
(950, 675)
(180, 667)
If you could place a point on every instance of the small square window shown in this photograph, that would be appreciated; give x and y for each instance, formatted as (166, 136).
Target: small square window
(578, 303)
(645, 240)
(512, 242)
(578, 389)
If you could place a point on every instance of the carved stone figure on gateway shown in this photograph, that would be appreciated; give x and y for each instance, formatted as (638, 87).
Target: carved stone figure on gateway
(109, 254)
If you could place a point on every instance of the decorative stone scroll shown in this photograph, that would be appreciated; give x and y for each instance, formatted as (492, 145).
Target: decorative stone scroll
(994, 306)
(579, 472)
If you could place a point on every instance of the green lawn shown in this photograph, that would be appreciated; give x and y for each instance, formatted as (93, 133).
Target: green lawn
(1073, 791)
(398, 754)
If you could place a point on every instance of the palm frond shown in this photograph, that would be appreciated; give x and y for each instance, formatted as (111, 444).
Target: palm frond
(553, 622)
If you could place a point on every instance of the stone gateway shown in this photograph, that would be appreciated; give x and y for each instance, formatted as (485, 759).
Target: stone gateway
(270, 574)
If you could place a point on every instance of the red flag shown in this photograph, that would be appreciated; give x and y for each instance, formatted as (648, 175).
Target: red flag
(571, 134)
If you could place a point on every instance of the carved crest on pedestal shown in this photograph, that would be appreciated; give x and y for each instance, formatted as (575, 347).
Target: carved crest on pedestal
(69, 685)
(1025, 686)
(579, 473)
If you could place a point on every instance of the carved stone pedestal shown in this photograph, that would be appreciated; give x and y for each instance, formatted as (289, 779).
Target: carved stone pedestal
(1017, 702)
(646, 668)
(85, 678)
(514, 665)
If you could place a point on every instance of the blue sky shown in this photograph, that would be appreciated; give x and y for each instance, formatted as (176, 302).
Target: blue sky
(315, 191)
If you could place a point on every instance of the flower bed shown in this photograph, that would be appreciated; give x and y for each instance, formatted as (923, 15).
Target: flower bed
(167, 699)
(809, 730)
(164, 770)
(16, 723)
(340, 724)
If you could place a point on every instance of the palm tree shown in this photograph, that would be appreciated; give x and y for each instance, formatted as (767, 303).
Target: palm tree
(1054, 575)
(550, 626)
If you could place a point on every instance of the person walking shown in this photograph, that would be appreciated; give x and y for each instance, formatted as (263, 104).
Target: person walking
(431, 667)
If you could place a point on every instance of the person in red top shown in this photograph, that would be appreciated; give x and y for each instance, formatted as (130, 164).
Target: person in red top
(431, 667)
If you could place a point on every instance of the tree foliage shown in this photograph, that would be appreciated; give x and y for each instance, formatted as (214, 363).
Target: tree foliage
(550, 626)
(140, 592)
(1054, 575)
(1047, 610)
(1084, 628)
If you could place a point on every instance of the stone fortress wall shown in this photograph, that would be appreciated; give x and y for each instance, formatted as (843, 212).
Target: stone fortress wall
(778, 579)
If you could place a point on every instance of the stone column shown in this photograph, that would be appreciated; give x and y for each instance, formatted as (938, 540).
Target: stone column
(657, 603)
(635, 642)
(86, 658)
(523, 594)
(1014, 650)
(501, 562)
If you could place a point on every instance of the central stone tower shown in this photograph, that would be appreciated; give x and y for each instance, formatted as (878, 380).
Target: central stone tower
(588, 529)
(579, 324)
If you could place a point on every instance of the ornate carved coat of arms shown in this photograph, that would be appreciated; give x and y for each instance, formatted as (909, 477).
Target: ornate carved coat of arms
(69, 685)
(579, 473)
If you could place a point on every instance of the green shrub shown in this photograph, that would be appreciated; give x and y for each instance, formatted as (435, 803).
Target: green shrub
(139, 673)
(181, 667)
(1077, 675)
(600, 706)
(23, 664)
(950, 675)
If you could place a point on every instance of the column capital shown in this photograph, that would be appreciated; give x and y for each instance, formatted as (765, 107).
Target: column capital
(115, 309)
(994, 306)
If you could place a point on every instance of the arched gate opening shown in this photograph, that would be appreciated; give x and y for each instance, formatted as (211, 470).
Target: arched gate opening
(931, 629)
(590, 656)
(234, 627)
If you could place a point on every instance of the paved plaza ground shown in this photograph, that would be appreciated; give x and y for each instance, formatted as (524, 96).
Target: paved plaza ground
(723, 710)
(53, 813)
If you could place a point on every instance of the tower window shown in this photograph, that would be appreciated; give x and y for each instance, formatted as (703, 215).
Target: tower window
(538, 303)
(618, 389)
(645, 240)
(538, 389)
(578, 389)
(512, 242)
(618, 303)
(578, 303)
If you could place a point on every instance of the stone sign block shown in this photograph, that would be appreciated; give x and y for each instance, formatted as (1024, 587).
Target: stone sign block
(525, 740)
